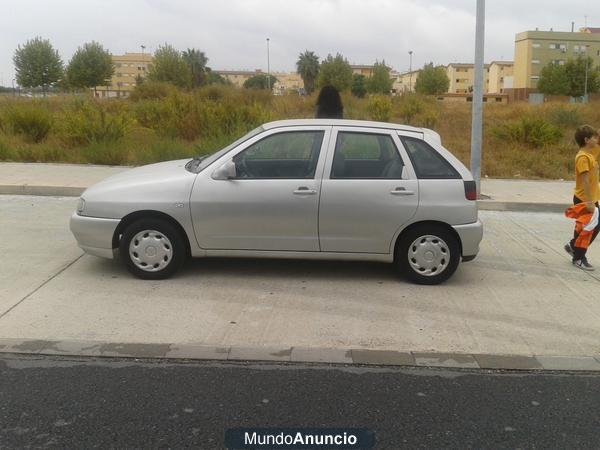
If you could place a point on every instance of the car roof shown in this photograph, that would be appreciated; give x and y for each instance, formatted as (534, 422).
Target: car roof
(342, 123)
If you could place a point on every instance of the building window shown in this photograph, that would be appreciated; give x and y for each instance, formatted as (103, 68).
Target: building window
(535, 61)
(536, 45)
(535, 78)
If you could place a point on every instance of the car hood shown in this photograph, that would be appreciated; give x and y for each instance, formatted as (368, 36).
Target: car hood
(155, 186)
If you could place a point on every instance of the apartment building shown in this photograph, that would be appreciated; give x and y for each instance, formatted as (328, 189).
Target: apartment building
(359, 69)
(500, 76)
(238, 77)
(462, 77)
(127, 69)
(404, 82)
(536, 49)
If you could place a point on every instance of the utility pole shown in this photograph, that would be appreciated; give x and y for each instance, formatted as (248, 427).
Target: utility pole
(410, 70)
(268, 67)
(477, 116)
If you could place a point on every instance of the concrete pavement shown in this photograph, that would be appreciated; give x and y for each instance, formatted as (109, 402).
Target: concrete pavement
(519, 302)
(73, 179)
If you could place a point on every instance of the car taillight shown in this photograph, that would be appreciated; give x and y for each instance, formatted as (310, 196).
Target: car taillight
(470, 190)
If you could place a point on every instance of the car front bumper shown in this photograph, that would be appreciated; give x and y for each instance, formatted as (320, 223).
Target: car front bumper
(470, 236)
(94, 235)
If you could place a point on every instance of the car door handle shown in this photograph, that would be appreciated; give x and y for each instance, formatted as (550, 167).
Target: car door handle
(304, 190)
(402, 191)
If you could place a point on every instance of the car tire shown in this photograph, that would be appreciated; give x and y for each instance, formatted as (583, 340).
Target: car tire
(152, 249)
(428, 254)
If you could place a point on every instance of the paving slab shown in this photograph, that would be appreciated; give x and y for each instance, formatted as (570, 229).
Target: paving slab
(519, 362)
(455, 360)
(36, 244)
(568, 363)
(260, 354)
(382, 357)
(327, 355)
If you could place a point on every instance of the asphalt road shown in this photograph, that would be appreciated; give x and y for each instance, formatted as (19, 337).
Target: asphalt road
(58, 403)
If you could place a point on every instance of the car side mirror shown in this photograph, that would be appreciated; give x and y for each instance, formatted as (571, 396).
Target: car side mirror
(404, 175)
(225, 172)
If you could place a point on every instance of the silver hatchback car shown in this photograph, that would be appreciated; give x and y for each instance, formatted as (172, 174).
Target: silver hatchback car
(317, 188)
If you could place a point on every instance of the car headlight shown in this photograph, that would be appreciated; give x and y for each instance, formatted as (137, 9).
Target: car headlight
(80, 205)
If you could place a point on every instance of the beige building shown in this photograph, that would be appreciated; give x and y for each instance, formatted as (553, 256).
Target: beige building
(238, 77)
(358, 69)
(536, 49)
(127, 69)
(500, 76)
(462, 78)
(404, 82)
(287, 81)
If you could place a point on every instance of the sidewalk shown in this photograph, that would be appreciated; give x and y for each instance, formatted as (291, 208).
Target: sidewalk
(73, 179)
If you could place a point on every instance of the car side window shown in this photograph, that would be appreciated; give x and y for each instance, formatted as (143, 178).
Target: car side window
(428, 163)
(367, 156)
(290, 154)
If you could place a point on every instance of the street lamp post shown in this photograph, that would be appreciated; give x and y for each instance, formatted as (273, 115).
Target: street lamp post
(585, 84)
(410, 71)
(268, 67)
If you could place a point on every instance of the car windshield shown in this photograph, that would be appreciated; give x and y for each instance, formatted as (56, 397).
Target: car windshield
(199, 163)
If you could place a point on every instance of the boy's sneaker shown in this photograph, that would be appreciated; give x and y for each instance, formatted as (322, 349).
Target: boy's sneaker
(569, 249)
(583, 264)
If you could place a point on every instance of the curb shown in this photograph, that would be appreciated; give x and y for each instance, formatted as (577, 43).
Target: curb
(46, 191)
(298, 355)
(484, 205)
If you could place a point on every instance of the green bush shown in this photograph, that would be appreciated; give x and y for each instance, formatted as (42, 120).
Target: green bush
(409, 106)
(532, 131)
(380, 108)
(87, 122)
(152, 90)
(32, 120)
(109, 153)
(565, 117)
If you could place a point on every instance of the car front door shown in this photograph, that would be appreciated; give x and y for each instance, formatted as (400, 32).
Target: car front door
(272, 201)
(364, 197)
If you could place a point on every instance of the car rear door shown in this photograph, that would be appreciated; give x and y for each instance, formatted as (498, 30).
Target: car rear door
(364, 197)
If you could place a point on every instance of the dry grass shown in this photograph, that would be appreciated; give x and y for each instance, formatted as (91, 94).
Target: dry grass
(162, 123)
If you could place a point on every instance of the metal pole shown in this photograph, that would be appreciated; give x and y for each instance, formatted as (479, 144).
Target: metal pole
(585, 85)
(477, 116)
(410, 71)
(268, 67)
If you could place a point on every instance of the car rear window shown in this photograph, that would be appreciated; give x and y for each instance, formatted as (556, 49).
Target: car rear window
(428, 163)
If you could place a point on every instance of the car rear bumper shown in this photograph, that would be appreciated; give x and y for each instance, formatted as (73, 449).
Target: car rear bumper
(94, 235)
(470, 236)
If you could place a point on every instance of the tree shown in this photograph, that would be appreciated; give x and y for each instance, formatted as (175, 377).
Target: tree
(196, 60)
(260, 82)
(215, 78)
(576, 70)
(359, 85)
(380, 82)
(432, 80)
(168, 65)
(335, 72)
(308, 68)
(554, 80)
(37, 64)
(90, 66)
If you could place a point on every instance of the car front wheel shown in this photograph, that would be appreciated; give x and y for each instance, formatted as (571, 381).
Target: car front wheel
(152, 249)
(428, 254)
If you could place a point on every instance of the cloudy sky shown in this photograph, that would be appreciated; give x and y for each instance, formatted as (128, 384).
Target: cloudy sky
(233, 32)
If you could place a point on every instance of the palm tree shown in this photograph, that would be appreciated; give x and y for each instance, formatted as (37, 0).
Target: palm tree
(197, 61)
(308, 68)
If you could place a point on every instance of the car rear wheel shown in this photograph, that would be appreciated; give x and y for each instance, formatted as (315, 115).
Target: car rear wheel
(428, 255)
(152, 249)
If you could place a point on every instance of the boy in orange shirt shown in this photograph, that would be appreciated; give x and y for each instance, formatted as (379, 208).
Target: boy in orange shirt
(587, 188)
